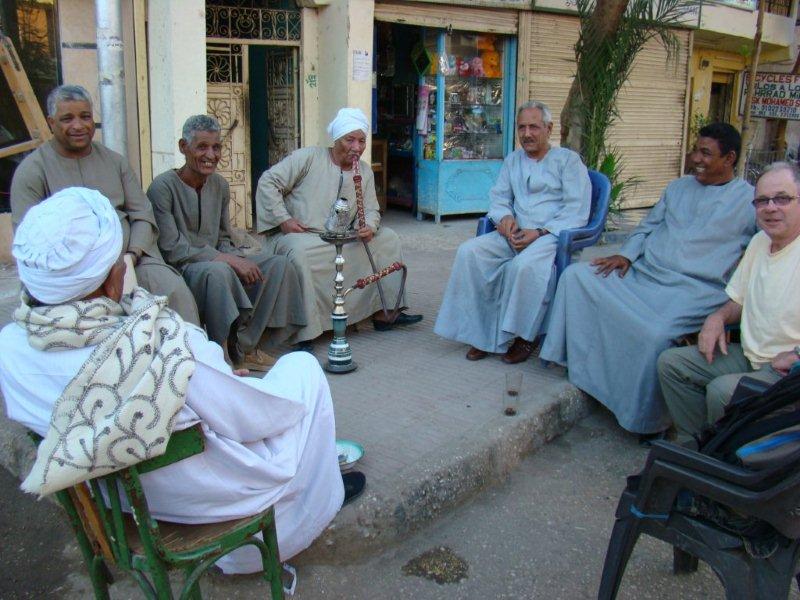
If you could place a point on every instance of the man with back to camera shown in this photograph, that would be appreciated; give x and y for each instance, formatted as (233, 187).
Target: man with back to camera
(89, 368)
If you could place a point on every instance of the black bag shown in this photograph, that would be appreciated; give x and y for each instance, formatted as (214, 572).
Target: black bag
(759, 431)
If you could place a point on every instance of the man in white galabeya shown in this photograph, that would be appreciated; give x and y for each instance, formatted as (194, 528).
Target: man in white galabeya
(76, 344)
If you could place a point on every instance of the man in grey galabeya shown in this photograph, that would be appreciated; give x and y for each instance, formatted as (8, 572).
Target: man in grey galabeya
(72, 159)
(612, 318)
(247, 302)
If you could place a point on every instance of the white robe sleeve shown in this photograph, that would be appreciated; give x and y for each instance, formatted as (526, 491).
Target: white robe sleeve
(501, 196)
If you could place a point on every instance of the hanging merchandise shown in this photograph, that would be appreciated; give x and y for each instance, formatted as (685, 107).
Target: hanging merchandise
(422, 109)
(421, 59)
(473, 124)
(447, 64)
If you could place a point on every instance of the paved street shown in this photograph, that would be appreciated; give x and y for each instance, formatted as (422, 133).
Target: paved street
(541, 534)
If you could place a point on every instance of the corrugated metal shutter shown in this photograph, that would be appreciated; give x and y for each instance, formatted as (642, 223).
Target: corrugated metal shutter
(440, 15)
(649, 132)
(652, 105)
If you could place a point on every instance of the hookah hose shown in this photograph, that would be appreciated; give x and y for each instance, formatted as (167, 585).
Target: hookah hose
(377, 275)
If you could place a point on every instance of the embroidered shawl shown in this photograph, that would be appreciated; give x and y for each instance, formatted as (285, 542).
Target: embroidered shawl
(120, 407)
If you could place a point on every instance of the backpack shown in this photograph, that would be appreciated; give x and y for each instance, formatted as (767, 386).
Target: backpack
(760, 432)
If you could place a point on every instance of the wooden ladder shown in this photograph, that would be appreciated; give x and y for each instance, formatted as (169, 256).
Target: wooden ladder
(27, 104)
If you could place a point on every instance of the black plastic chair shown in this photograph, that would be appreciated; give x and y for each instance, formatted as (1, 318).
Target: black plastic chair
(744, 523)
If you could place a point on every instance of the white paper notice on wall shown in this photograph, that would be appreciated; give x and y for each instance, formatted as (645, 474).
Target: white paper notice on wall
(362, 65)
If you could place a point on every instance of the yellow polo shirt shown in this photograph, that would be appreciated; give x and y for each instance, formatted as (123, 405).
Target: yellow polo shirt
(768, 288)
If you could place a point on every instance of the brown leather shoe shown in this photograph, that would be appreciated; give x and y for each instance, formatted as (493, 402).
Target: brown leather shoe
(475, 354)
(257, 361)
(519, 351)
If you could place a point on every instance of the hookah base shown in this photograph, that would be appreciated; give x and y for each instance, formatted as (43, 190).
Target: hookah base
(340, 368)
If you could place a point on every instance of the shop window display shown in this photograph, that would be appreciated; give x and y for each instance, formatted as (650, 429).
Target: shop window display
(444, 101)
(473, 97)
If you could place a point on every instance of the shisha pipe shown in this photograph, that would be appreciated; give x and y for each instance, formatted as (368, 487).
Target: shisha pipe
(362, 222)
(340, 356)
(360, 284)
(362, 218)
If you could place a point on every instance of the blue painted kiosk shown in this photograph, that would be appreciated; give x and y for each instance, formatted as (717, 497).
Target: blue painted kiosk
(467, 127)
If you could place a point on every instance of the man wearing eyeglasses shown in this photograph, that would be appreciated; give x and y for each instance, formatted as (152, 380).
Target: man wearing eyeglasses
(698, 382)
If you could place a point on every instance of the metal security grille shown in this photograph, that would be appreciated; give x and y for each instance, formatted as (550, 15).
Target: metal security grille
(224, 63)
(226, 99)
(247, 23)
(648, 131)
(282, 109)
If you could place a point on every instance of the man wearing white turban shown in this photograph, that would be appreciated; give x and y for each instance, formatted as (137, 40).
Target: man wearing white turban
(70, 159)
(268, 441)
(293, 200)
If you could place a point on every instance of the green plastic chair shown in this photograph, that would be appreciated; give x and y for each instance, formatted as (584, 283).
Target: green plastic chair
(146, 548)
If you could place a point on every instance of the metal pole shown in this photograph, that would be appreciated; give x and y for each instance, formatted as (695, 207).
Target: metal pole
(111, 74)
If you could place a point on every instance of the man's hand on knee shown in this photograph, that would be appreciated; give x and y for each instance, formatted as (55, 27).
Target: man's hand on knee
(609, 264)
(246, 270)
(292, 225)
(523, 238)
(507, 227)
(711, 335)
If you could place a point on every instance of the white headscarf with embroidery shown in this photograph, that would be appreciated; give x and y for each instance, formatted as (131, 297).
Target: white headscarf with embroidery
(120, 407)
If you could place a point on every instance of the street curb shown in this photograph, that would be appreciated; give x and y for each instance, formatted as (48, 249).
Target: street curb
(382, 518)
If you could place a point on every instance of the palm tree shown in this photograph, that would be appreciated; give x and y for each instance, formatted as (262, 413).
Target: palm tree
(612, 33)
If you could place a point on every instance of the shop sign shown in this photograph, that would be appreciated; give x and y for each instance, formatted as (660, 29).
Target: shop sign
(776, 96)
(486, 3)
(747, 4)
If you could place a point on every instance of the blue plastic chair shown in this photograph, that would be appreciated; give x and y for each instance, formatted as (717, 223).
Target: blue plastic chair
(572, 240)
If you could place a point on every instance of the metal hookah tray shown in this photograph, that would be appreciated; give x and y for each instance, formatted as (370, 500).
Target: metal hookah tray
(341, 238)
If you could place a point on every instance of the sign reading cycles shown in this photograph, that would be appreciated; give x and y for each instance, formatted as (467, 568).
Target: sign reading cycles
(776, 96)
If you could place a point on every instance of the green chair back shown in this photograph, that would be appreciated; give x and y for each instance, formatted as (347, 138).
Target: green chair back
(146, 548)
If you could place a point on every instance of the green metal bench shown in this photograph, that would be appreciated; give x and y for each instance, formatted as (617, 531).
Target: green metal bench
(147, 548)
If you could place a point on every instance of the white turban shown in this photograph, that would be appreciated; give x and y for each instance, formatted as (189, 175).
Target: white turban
(67, 244)
(347, 120)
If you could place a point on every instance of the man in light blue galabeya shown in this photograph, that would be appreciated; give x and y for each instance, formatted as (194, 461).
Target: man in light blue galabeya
(501, 282)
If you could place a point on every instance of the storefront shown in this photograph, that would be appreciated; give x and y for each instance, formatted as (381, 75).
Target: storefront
(444, 105)
(446, 160)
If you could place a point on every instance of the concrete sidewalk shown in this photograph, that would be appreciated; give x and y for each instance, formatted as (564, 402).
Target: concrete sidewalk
(430, 422)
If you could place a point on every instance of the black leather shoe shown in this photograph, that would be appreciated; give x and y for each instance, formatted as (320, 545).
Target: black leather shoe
(401, 319)
(307, 346)
(354, 483)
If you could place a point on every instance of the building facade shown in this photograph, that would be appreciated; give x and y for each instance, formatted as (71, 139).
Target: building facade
(274, 72)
